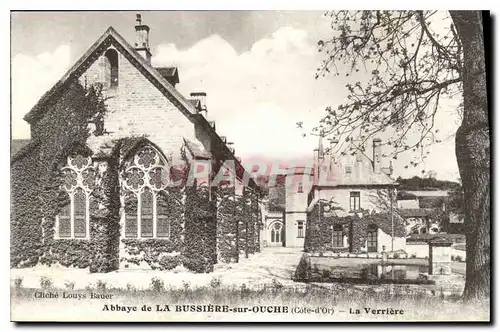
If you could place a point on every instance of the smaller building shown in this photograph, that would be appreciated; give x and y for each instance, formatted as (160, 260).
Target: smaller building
(420, 221)
(352, 203)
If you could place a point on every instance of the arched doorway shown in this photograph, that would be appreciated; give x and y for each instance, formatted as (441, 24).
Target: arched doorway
(276, 234)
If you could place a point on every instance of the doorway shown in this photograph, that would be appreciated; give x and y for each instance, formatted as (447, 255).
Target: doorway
(276, 234)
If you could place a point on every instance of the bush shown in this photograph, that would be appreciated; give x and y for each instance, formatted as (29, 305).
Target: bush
(130, 287)
(413, 256)
(326, 274)
(45, 282)
(276, 285)
(244, 291)
(70, 285)
(186, 285)
(100, 285)
(169, 262)
(303, 270)
(156, 285)
(215, 283)
(458, 258)
(18, 282)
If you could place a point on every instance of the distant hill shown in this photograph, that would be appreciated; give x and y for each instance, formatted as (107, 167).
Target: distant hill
(418, 183)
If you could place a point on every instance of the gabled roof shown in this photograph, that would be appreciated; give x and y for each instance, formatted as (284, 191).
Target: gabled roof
(408, 213)
(428, 193)
(196, 150)
(171, 74)
(112, 37)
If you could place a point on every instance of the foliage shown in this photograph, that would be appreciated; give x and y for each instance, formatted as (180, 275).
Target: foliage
(46, 282)
(215, 283)
(429, 183)
(302, 272)
(157, 285)
(413, 67)
(319, 232)
(226, 225)
(18, 282)
(35, 182)
(70, 285)
(100, 285)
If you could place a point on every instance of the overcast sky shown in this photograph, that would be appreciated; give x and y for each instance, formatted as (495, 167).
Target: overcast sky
(256, 67)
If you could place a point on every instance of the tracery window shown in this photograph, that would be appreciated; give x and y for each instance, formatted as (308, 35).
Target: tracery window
(79, 181)
(144, 179)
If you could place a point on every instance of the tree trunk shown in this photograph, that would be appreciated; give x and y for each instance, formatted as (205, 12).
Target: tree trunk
(472, 148)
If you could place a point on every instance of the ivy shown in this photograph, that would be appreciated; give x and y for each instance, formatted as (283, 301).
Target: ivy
(207, 224)
(319, 230)
(35, 185)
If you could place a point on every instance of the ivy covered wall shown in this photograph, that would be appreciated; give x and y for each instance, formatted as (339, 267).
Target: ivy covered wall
(226, 224)
(36, 179)
(319, 229)
(207, 225)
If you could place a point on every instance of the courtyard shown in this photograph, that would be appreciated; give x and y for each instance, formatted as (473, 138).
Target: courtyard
(277, 263)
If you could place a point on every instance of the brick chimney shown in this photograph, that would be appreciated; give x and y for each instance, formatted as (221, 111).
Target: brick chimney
(230, 146)
(202, 98)
(142, 39)
(377, 153)
(333, 160)
(316, 166)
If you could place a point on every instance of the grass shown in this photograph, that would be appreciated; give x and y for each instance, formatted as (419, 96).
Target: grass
(273, 293)
(419, 302)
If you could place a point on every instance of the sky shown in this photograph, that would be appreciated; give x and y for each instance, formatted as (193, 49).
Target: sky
(257, 68)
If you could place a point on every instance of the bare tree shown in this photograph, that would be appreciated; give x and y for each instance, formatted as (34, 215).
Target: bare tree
(412, 69)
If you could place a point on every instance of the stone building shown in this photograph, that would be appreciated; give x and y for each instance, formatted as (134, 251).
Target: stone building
(110, 177)
(350, 203)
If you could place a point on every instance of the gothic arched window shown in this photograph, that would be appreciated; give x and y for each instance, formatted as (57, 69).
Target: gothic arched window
(111, 68)
(78, 182)
(144, 178)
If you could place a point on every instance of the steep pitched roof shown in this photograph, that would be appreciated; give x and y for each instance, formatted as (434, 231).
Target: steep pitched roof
(171, 74)
(112, 37)
(408, 213)
(196, 150)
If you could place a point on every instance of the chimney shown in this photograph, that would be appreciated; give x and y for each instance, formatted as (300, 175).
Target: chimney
(224, 139)
(316, 166)
(359, 169)
(142, 39)
(321, 151)
(377, 152)
(202, 98)
(230, 146)
(333, 160)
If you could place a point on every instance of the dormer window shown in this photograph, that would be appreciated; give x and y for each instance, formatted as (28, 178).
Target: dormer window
(111, 68)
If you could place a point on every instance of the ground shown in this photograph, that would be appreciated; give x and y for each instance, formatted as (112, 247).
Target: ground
(262, 268)
(267, 279)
